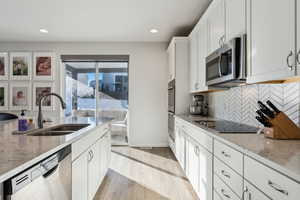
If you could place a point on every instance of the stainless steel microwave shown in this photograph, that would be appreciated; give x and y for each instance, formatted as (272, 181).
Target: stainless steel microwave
(226, 67)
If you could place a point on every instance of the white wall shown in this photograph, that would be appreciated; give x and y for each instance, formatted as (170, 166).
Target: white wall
(147, 82)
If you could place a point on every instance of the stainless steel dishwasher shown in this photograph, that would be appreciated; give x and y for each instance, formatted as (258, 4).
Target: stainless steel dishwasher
(49, 179)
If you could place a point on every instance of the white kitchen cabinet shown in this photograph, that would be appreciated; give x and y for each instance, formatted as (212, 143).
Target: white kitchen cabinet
(199, 169)
(206, 174)
(235, 15)
(80, 177)
(272, 39)
(90, 163)
(105, 152)
(229, 176)
(171, 60)
(178, 51)
(194, 61)
(223, 190)
(216, 25)
(272, 183)
(252, 193)
(180, 146)
(202, 54)
(192, 163)
(93, 170)
(198, 53)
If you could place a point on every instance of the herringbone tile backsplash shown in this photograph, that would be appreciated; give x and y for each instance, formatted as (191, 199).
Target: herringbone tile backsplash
(240, 103)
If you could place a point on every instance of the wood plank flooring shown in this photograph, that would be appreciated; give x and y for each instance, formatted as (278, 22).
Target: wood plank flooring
(138, 174)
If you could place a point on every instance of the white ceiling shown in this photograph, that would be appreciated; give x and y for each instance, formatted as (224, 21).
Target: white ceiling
(97, 20)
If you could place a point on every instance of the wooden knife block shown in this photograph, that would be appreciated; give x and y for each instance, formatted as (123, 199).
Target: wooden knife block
(283, 128)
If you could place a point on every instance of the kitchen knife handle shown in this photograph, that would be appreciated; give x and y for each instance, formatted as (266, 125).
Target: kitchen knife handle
(273, 106)
(261, 114)
(263, 122)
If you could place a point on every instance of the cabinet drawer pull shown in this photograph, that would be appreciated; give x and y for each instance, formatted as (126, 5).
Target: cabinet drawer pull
(244, 193)
(89, 156)
(226, 154)
(288, 60)
(225, 174)
(277, 188)
(224, 194)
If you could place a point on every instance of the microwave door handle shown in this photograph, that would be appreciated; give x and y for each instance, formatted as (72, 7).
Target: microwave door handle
(220, 60)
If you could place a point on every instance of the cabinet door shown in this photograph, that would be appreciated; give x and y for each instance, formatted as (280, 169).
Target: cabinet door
(171, 59)
(251, 193)
(298, 36)
(216, 22)
(205, 174)
(103, 158)
(80, 178)
(192, 164)
(177, 141)
(194, 61)
(182, 158)
(272, 39)
(93, 170)
(202, 46)
(108, 150)
(235, 18)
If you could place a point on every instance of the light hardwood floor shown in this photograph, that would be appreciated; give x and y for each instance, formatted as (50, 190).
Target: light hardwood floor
(138, 174)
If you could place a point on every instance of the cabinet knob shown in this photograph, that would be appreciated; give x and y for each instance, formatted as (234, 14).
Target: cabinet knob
(288, 60)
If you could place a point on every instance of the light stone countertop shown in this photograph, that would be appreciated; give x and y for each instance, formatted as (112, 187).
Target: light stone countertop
(281, 155)
(18, 152)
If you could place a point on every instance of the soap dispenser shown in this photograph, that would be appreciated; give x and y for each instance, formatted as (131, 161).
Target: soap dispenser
(22, 121)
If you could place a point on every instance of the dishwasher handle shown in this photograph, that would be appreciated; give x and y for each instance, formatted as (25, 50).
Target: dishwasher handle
(50, 172)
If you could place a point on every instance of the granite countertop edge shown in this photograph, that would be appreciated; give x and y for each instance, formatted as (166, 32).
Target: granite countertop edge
(248, 152)
(78, 135)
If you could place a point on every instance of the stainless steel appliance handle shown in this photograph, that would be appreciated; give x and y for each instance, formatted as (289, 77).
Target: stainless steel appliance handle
(288, 60)
(298, 57)
(220, 60)
(277, 188)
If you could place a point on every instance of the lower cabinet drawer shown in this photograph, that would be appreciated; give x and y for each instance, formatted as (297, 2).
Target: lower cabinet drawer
(251, 193)
(223, 190)
(270, 182)
(230, 177)
(229, 156)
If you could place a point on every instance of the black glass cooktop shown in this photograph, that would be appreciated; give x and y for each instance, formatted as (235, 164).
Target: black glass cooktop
(224, 126)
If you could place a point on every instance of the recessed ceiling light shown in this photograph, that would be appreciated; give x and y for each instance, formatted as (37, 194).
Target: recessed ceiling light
(153, 31)
(42, 30)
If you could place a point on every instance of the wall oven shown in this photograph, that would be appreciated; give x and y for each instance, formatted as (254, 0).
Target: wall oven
(171, 109)
(171, 96)
(226, 67)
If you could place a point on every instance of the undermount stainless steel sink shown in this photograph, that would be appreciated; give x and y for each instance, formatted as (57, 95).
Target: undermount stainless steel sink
(63, 129)
(50, 133)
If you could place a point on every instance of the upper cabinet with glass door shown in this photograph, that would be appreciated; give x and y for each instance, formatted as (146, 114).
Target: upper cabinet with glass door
(271, 43)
